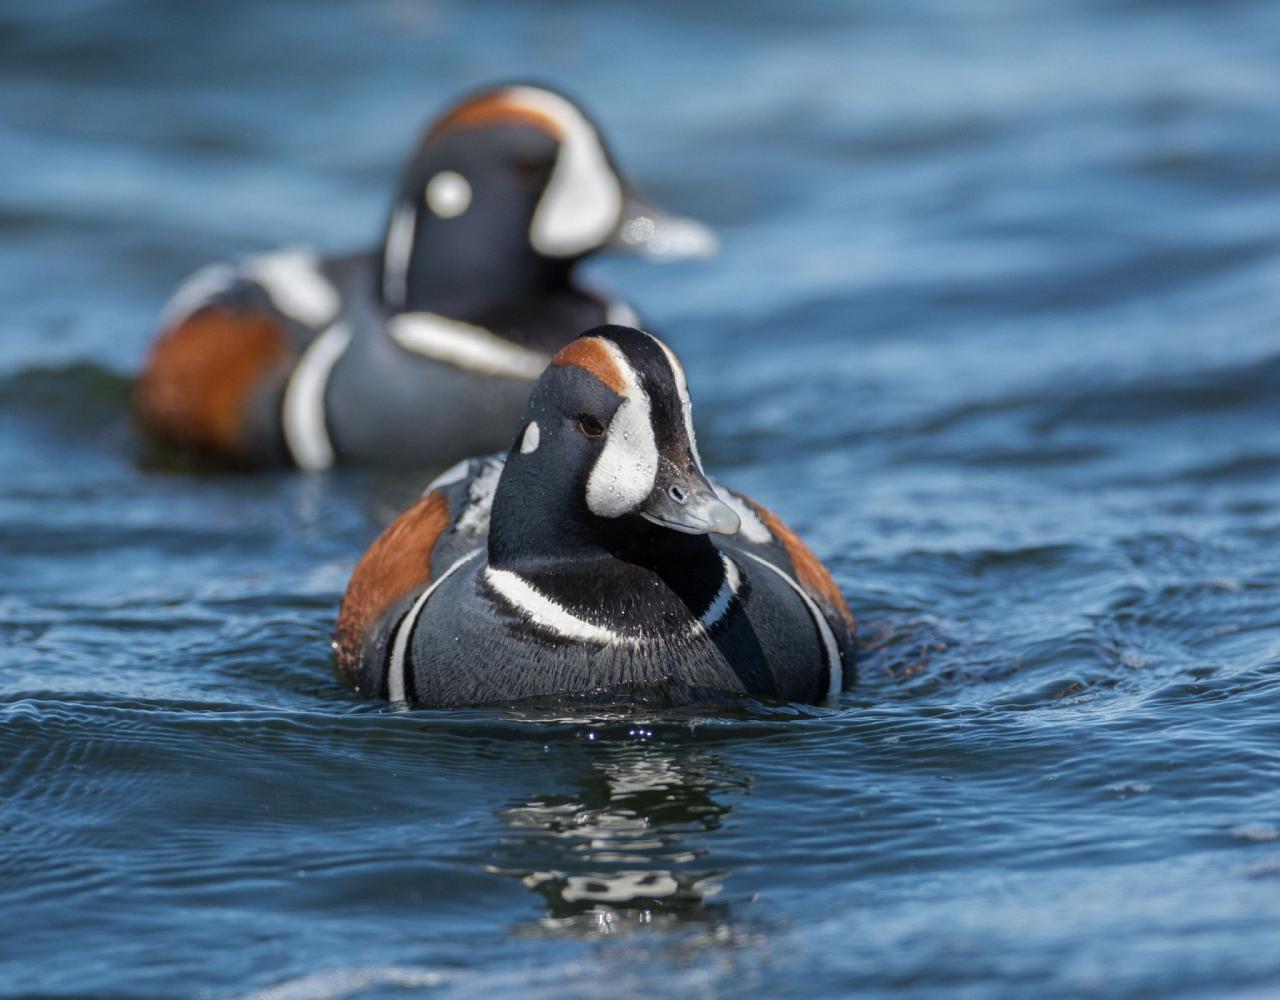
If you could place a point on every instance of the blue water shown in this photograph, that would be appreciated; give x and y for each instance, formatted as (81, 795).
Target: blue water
(996, 327)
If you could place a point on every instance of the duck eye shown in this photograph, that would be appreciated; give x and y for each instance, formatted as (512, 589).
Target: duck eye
(590, 426)
(529, 170)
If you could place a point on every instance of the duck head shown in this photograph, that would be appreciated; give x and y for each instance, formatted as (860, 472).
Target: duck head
(504, 193)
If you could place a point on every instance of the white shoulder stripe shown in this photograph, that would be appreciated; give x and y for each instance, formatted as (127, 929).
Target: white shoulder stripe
(196, 291)
(296, 285)
(291, 278)
(303, 418)
(396, 669)
(465, 346)
(835, 666)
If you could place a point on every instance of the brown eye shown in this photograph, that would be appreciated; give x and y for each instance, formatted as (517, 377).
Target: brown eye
(590, 426)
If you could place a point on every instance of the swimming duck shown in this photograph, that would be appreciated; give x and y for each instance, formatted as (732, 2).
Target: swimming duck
(596, 562)
(423, 351)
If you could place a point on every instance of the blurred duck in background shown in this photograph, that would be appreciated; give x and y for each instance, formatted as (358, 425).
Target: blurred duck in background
(422, 351)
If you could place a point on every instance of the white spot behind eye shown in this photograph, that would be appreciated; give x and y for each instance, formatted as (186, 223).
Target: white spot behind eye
(448, 194)
(531, 438)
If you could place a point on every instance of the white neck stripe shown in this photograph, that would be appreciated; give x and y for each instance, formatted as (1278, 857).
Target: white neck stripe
(549, 614)
(835, 666)
(463, 345)
(396, 253)
(302, 414)
(404, 632)
(686, 405)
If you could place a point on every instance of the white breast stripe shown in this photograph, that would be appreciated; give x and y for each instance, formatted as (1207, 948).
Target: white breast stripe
(835, 666)
(547, 613)
(542, 610)
(465, 346)
(719, 605)
(305, 431)
(396, 669)
(296, 285)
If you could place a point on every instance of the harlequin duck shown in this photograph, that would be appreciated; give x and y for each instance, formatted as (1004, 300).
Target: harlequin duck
(423, 351)
(597, 562)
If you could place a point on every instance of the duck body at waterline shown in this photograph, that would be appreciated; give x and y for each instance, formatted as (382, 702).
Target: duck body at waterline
(596, 563)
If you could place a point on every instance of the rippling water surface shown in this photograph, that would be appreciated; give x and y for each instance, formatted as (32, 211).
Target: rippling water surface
(996, 326)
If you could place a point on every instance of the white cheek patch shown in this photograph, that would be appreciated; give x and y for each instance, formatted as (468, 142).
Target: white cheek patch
(531, 438)
(582, 203)
(448, 194)
(627, 469)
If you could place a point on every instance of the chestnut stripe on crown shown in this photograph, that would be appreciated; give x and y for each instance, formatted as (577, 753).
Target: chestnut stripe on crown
(593, 356)
(501, 107)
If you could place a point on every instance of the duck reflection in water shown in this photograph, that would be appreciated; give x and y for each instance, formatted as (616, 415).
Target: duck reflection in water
(629, 847)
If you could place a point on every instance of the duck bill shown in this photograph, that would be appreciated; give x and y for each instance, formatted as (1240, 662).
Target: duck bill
(687, 502)
(661, 236)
